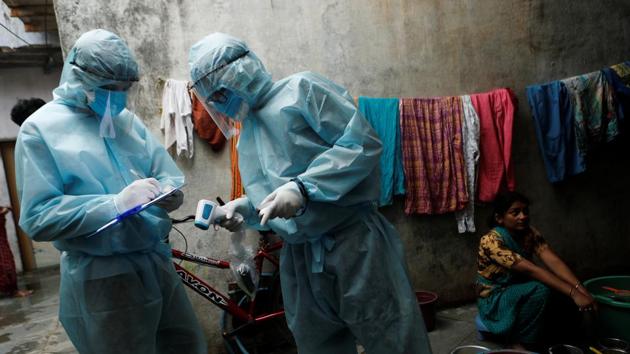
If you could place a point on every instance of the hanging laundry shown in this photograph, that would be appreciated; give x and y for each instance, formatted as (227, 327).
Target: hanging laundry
(205, 127)
(618, 77)
(553, 114)
(595, 118)
(237, 185)
(435, 176)
(470, 139)
(496, 116)
(382, 113)
(176, 120)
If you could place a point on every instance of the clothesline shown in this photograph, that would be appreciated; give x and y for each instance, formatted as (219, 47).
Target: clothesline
(445, 153)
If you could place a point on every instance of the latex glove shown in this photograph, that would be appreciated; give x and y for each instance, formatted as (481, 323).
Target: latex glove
(171, 202)
(138, 192)
(284, 202)
(235, 213)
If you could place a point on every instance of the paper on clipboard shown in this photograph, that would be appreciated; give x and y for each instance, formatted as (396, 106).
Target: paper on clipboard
(134, 211)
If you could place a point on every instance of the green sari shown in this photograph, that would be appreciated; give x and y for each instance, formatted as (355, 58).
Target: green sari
(515, 307)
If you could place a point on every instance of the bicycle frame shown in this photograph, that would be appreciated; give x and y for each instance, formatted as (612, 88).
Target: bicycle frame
(219, 299)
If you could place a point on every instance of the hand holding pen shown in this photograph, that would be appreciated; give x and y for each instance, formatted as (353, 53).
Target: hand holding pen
(169, 203)
(137, 193)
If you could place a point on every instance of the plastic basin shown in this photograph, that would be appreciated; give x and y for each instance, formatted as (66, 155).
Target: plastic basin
(427, 301)
(564, 349)
(613, 317)
(469, 349)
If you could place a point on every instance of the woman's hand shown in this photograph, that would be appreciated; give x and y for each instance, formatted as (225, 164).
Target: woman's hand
(583, 302)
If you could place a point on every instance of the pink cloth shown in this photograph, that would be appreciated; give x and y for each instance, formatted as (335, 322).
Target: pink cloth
(496, 115)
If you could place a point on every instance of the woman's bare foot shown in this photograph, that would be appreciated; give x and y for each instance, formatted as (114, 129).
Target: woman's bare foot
(22, 293)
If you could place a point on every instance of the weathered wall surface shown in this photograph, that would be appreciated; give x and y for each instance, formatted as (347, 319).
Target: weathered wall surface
(402, 48)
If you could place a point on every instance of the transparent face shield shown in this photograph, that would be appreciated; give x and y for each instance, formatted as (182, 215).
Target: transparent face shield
(114, 104)
(225, 123)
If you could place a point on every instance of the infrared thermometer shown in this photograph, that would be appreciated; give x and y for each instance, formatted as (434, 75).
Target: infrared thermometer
(210, 213)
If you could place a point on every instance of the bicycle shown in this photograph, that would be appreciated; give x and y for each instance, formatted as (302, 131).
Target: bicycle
(249, 325)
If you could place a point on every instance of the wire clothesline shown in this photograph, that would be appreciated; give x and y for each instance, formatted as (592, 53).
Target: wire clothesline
(15, 34)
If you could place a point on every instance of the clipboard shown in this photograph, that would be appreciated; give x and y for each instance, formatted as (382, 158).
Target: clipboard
(134, 211)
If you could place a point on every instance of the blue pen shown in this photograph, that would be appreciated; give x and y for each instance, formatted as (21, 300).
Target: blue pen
(119, 217)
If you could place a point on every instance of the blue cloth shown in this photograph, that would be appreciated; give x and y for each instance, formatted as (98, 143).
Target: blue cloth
(307, 127)
(119, 290)
(552, 112)
(382, 113)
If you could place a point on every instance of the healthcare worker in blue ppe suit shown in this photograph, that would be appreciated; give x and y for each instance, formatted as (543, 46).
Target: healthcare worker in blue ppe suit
(77, 161)
(308, 162)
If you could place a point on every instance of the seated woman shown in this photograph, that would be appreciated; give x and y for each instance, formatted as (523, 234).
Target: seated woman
(513, 291)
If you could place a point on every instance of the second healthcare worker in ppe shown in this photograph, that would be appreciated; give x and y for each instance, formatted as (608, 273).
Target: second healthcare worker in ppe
(77, 160)
(308, 162)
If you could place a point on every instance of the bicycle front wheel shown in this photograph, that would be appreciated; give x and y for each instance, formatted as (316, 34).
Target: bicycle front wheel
(270, 337)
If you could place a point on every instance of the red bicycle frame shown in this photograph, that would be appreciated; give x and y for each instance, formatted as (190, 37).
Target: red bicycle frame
(221, 300)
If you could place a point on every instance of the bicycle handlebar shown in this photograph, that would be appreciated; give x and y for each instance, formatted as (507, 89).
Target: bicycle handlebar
(184, 219)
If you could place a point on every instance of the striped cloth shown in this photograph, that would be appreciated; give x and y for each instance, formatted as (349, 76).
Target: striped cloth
(433, 158)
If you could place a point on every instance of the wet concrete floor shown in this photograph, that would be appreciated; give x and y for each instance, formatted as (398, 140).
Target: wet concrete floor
(30, 325)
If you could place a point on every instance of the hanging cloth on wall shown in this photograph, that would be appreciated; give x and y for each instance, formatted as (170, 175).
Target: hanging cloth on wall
(435, 176)
(205, 127)
(176, 120)
(382, 113)
(496, 116)
(8, 274)
(237, 185)
(470, 138)
(595, 117)
(618, 77)
(553, 113)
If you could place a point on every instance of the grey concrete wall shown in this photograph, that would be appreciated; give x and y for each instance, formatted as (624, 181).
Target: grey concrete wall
(403, 48)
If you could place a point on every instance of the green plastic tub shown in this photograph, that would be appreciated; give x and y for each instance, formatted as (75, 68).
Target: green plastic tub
(613, 318)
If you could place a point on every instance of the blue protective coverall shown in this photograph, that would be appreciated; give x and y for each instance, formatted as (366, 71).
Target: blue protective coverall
(119, 292)
(343, 273)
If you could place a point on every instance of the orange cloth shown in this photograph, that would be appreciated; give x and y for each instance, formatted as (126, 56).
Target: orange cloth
(237, 186)
(204, 125)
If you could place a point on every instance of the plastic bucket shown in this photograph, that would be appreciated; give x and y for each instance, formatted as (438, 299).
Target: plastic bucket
(469, 349)
(613, 317)
(613, 351)
(427, 300)
(564, 349)
(614, 343)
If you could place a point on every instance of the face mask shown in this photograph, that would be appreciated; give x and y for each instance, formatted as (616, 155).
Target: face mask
(231, 105)
(117, 101)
